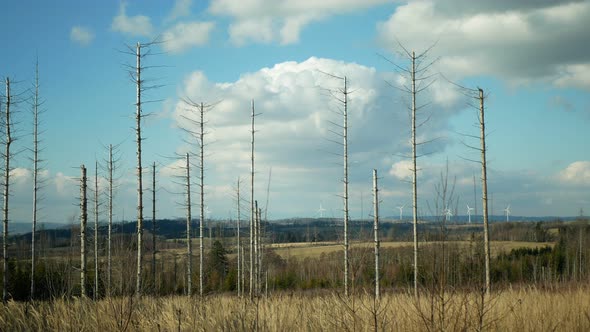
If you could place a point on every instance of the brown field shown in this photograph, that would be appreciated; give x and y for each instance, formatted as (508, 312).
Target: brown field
(520, 310)
(302, 250)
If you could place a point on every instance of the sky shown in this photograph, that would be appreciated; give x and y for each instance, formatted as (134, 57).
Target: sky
(532, 59)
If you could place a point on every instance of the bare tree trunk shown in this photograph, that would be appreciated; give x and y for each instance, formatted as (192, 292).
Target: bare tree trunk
(255, 286)
(83, 222)
(376, 231)
(414, 176)
(238, 243)
(484, 188)
(259, 251)
(189, 249)
(202, 198)
(252, 211)
(36, 105)
(154, 225)
(345, 195)
(138, 117)
(6, 193)
(110, 226)
(95, 295)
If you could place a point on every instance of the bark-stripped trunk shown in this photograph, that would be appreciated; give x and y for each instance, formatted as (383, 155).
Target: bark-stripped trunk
(484, 188)
(202, 198)
(35, 177)
(154, 226)
(256, 270)
(138, 117)
(110, 226)
(259, 251)
(189, 248)
(95, 295)
(238, 243)
(6, 193)
(252, 211)
(414, 176)
(345, 195)
(376, 231)
(83, 222)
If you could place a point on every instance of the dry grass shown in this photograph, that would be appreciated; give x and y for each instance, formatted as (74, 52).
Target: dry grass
(303, 250)
(510, 310)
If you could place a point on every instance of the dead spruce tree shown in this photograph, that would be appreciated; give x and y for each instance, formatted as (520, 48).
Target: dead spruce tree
(7, 156)
(376, 232)
(341, 97)
(96, 204)
(189, 249)
(37, 168)
(417, 74)
(83, 222)
(238, 241)
(136, 72)
(252, 207)
(154, 251)
(198, 136)
(112, 162)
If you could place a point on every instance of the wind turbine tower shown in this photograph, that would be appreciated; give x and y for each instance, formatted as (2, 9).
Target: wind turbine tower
(469, 209)
(401, 212)
(321, 211)
(448, 214)
(507, 211)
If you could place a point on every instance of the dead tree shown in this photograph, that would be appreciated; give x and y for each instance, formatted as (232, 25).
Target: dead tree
(238, 243)
(96, 231)
(111, 166)
(484, 188)
(189, 249)
(376, 232)
(37, 184)
(83, 222)
(417, 73)
(8, 141)
(252, 207)
(154, 225)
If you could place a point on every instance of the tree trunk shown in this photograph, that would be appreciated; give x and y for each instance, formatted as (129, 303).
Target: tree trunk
(202, 207)
(414, 176)
(110, 226)
(154, 226)
(376, 231)
(484, 188)
(138, 117)
(345, 195)
(83, 222)
(252, 211)
(238, 243)
(189, 249)
(95, 295)
(36, 105)
(6, 194)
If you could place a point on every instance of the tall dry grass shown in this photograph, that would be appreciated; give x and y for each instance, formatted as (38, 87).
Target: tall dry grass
(520, 310)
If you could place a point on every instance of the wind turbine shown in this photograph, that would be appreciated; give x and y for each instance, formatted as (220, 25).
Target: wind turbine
(469, 209)
(507, 211)
(401, 209)
(321, 211)
(448, 214)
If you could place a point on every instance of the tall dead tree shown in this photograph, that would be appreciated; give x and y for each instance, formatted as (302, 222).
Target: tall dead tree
(256, 261)
(252, 207)
(154, 225)
(110, 168)
(36, 182)
(484, 188)
(238, 242)
(376, 231)
(95, 294)
(138, 118)
(189, 249)
(83, 222)
(8, 141)
(417, 75)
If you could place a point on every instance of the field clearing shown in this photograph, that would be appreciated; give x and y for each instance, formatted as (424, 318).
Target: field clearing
(302, 250)
(526, 309)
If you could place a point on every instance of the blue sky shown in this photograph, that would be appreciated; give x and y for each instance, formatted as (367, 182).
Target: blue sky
(531, 57)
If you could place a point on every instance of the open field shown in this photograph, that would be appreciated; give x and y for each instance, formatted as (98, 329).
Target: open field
(527, 309)
(302, 250)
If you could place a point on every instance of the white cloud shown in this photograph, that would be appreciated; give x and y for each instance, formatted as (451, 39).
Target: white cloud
(181, 8)
(263, 21)
(138, 25)
(185, 35)
(401, 170)
(577, 173)
(520, 41)
(81, 35)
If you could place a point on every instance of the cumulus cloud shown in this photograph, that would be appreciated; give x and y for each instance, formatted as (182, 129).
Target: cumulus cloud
(262, 21)
(81, 35)
(515, 40)
(185, 35)
(294, 130)
(576, 173)
(138, 25)
(181, 8)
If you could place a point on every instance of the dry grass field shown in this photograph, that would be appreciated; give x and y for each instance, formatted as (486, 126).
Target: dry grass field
(509, 310)
(302, 250)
